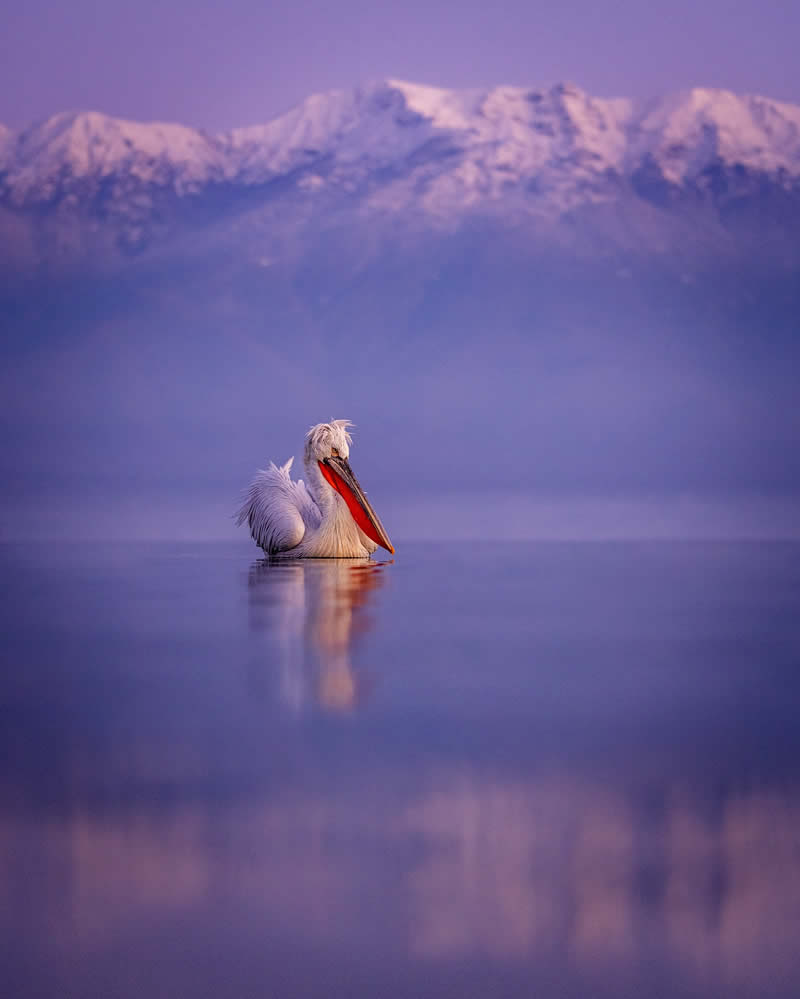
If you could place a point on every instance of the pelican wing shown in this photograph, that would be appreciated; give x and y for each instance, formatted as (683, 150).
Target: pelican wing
(278, 510)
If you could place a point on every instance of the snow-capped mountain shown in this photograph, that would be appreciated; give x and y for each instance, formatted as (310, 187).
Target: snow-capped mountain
(72, 150)
(452, 149)
(425, 158)
(443, 149)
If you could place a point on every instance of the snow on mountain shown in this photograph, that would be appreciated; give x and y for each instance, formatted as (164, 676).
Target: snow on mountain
(75, 147)
(443, 150)
(558, 144)
(460, 145)
(688, 131)
(373, 125)
(400, 144)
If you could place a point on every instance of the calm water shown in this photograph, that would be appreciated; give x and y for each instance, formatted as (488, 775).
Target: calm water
(538, 770)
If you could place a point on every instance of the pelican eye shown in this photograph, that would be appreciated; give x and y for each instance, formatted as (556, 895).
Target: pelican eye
(334, 452)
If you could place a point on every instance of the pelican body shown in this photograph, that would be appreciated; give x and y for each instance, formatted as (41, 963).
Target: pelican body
(327, 516)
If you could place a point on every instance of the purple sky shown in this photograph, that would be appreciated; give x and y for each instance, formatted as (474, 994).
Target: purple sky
(216, 65)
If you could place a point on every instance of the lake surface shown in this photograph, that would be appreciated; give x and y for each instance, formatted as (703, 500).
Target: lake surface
(473, 771)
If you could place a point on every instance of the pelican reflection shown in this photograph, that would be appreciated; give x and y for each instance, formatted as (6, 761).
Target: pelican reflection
(310, 614)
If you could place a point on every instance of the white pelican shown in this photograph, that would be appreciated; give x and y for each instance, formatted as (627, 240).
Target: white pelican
(329, 518)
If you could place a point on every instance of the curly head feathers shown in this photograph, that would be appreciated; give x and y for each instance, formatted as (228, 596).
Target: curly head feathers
(322, 439)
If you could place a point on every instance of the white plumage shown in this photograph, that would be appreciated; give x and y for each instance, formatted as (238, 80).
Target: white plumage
(328, 518)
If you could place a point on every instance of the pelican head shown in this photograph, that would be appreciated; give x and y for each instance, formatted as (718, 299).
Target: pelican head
(328, 445)
(327, 438)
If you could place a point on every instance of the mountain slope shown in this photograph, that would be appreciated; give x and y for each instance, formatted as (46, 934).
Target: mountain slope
(444, 150)
(74, 149)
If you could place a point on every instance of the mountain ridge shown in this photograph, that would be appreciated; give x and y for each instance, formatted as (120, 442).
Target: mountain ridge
(502, 135)
(701, 168)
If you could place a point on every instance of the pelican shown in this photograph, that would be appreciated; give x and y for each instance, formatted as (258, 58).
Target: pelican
(330, 517)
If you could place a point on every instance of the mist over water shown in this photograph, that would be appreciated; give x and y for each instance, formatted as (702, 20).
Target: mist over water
(143, 402)
(466, 516)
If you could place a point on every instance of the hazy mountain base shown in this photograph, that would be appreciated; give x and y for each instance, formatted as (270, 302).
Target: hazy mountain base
(626, 350)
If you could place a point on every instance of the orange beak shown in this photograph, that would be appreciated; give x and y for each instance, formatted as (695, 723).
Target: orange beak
(340, 476)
